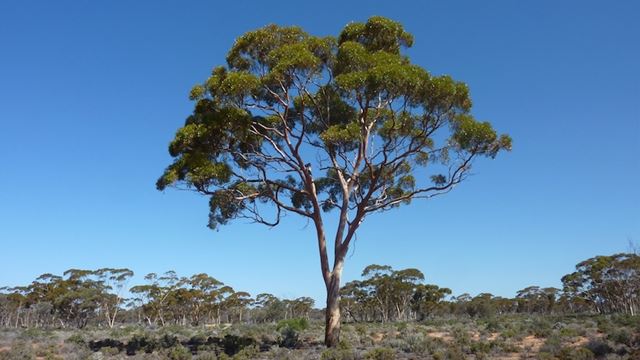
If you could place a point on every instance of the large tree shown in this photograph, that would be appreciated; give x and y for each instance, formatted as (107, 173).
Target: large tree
(310, 125)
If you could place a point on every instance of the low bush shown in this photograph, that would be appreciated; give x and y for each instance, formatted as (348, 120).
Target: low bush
(569, 353)
(343, 351)
(20, 350)
(179, 352)
(599, 348)
(380, 354)
(297, 324)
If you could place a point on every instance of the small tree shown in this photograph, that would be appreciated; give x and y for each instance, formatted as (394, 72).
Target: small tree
(304, 124)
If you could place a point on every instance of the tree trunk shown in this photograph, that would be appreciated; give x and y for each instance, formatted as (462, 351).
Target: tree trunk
(332, 313)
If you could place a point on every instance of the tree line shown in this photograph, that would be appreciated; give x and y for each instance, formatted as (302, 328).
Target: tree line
(602, 285)
(103, 298)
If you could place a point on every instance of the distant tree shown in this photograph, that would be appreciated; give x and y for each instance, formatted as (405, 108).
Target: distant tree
(238, 302)
(114, 283)
(534, 299)
(356, 302)
(386, 294)
(607, 283)
(268, 308)
(304, 124)
(427, 299)
(155, 295)
(299, 307)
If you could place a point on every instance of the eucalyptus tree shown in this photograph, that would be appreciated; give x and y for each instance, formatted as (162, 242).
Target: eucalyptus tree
(237, 302)
(427, 299)
(268, 308)
(114, 283)
(301, 307)
(155, 295)
(307, 125)
(356, 302)
(607, 283)
(534, 299)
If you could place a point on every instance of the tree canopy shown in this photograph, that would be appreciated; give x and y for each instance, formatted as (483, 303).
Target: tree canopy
(303, 124)
(353, 108)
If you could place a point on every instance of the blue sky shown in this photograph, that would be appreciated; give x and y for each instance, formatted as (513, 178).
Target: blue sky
(92, 92)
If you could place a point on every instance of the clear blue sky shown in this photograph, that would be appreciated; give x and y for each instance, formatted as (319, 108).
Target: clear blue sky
(91, 92)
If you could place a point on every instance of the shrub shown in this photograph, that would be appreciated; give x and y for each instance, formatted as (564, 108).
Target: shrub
(414, 343)
(552, 345)
(380, 354)
(493, 325)
(247, 353)
(289, 338)
(481, 347)
(232, 344)
(297, 324)
(342, 352)
(540, 328)
(179, 352)
(206, 356)
(361, 329)
(20, 350)
(337, 354)
(621, 336)
(168, 341)
(455, 353)
(76, 338)
(599, 348)
(569, 353)
(109, 350)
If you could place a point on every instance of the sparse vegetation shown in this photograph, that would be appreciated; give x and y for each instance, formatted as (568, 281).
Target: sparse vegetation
(392, 314)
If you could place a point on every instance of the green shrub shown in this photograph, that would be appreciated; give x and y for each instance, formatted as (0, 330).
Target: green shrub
(179, 352)
(289, 331)
(289, 338)
(401, 326)
(343, 351)
(247, 353)
(569, 353)
(621, 336)
(455, 353)
(206, 356)
(552, 345)
(541, 328)
(481, 347)
(76, 338)
(493, 325)
(297, 324)
(110, 350)
(461, 335)
(544, 356)
(380, 354)
(361, 329)
(337, 354)
(168, 341)
(413, 343)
